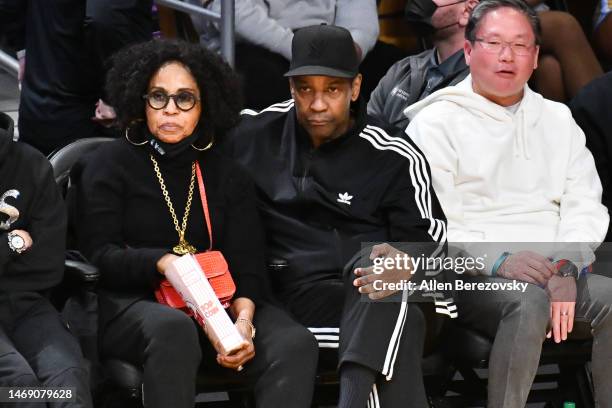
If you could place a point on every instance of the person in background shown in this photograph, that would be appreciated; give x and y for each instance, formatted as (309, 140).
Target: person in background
(567, 61)
(67, 44)
(418, 76)
(58, 93)
(602, 32)
(111, 25)
(264, 32)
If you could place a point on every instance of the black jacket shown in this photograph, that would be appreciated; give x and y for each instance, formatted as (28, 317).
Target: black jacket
(27, 185)
(125, 226)
(412, 79)
(320, 205)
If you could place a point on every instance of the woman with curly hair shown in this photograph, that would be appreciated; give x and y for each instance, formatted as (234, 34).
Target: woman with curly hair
(140, 207)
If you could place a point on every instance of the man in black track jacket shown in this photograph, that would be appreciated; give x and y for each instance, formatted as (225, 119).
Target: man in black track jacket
(36, 348)
(331, 179)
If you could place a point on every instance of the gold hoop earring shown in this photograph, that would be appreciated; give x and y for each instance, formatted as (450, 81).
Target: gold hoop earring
(127, 137)
(208, 146)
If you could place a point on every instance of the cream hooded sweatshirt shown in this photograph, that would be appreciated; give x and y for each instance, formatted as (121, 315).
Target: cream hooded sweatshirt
(510, 177)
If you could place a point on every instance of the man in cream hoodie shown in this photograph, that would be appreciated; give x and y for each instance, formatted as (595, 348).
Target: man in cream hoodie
(510, 166)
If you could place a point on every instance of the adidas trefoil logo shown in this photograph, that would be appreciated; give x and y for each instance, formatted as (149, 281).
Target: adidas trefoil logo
(344, 198)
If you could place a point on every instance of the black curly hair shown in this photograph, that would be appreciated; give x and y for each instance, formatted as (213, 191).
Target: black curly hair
(134, 66)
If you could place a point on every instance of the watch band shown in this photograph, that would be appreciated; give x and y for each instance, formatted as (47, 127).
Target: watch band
(502, 258)
(247, 321)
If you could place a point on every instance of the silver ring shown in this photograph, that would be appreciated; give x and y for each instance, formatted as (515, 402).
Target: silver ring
(564, 313)
(240, 368)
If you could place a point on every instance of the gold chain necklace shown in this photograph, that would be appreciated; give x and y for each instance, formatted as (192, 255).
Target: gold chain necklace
(183, 247)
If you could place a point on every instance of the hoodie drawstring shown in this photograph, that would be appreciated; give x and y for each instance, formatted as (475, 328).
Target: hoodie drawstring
(521, 145)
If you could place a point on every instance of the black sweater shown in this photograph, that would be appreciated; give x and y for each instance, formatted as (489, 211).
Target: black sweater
(41, 213)
(125, 226)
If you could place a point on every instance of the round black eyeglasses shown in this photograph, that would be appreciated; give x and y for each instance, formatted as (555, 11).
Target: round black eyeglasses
(159, 100)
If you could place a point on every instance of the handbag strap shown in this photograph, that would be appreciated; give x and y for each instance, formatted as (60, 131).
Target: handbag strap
(204, 203)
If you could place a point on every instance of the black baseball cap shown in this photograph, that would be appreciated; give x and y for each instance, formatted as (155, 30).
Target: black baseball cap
(323, 50)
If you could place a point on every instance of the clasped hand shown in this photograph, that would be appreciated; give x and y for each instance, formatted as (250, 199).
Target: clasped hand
(376, 285)
(534, 268)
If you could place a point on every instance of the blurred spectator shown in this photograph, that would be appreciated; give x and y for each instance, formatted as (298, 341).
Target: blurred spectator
(264, 32)
(58, 93)
(567, 61)
(112, 25)
(602, 34)
(67, 43)
(417, 76)
(592, 111)
(12, 25)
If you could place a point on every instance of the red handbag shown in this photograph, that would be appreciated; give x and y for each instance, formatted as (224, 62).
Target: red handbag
(213, 265)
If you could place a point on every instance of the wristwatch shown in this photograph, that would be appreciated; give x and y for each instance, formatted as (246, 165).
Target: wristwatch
(16, 242)
(250, 324)
(566, 268)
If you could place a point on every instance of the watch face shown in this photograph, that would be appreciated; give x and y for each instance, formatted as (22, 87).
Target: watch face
(17, 242)
(568, 269)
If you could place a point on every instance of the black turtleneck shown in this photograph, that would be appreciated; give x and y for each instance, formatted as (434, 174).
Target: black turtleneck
(125, 225)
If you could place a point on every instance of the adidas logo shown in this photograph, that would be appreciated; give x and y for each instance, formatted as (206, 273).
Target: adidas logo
(344, 198)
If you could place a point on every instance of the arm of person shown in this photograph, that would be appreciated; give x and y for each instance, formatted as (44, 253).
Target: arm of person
(360, 17)
(254, 24)
(46, 225)
(5, 251)
(243, 247)
(584, 219)
(100, 209)
(243, 240)
(382, 92)
(43, 225)
(590, 111)
(414, 217)
(583, 225)
(435, 139)
(243, 309)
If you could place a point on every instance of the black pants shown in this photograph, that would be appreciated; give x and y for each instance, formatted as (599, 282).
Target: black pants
(171, 348)
(38, 350)
(385, 336)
